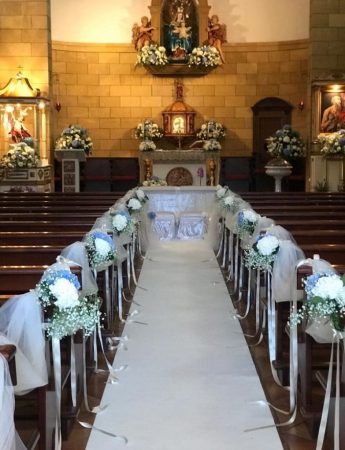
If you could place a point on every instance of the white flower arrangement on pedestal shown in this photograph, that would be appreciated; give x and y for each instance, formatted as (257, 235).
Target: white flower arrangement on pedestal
(58, 292)
(205, 56)
(152, 55)
(74, 137)
(263, 253)
(286, 143)
(100, 249)
(325, 300)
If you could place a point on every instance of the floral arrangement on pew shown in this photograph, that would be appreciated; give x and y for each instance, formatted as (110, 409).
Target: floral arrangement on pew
(140, 195)
(221, 191)
(333, 143)
(134, 205)
(325, 300)
(20, 156)
(263, 253)
(285, 143)
(100, 249)
(68, 312)
(205, 56)
(152, 55)
(74, 137)
(122, 222)
(230, 203)
(246, 222)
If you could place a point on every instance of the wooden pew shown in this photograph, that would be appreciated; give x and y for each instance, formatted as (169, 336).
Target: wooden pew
(59, 237)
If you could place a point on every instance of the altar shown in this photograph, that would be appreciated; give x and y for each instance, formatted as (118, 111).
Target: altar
(191, 167)
(183, 213)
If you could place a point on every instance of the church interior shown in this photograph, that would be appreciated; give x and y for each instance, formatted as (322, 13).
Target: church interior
(172, 224)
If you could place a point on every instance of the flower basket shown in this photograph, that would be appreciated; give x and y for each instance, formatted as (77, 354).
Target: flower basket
(285, 144)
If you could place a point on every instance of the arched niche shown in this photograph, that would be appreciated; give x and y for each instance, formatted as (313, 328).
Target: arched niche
(201, 10)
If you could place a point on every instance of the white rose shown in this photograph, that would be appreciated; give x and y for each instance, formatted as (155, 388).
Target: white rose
(229, 200)
(102, 246)
(267, 245)
(65, 292)
(249, 215)
(140, 194)
(221, 192)
(134, 204)
(119, 222)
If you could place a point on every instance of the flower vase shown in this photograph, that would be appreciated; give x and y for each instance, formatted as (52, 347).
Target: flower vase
(278, 168)
(147, 145)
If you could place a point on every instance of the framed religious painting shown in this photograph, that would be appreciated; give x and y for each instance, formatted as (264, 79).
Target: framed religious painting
(332, 108)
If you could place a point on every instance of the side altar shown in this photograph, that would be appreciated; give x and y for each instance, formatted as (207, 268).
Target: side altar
(191, 167)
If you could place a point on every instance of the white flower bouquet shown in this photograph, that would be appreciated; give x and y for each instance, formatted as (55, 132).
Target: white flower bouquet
(206, 56)
(140, 195)
(325, 300)
(333, 143)
(285, 143)
(221, 191)
(100, 249)
(20, 156)
(152, 55)
(211, 146)
(246, 221)
(58, 292)
(211, 130)
(148, 130)
(122, 222)
(154, 181)
(263, 253)
(230, 203)
(147, 146)
(134, 205)
(74, 137)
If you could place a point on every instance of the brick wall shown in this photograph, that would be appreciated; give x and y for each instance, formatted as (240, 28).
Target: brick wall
(100, 88)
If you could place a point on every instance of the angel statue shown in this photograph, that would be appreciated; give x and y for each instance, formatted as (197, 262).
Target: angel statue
(216, 34)
(142, 34)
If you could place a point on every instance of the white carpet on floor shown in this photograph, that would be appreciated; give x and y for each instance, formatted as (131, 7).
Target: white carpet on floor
(190, 382)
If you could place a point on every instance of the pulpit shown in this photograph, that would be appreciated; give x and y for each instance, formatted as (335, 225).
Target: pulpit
(70, 160)
(194, 167)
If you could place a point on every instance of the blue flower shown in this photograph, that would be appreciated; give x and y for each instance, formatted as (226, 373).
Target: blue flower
(151, 215)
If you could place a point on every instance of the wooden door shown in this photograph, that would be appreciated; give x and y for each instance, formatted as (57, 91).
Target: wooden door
(269, 115)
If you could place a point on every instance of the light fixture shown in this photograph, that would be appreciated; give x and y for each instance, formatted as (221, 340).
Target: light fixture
(301, 105)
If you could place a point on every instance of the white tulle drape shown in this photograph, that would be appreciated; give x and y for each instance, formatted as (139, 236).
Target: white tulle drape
(21, 324)
(77, 253)
(7, 430)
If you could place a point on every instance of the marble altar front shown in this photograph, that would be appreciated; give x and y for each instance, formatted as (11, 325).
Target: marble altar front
(161, 163)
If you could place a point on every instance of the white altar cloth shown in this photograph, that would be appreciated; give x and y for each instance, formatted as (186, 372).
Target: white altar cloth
(185, 199)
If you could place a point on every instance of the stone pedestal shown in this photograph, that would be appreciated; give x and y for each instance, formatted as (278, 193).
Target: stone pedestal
(35, 179)
(70, 160)
(278, 169)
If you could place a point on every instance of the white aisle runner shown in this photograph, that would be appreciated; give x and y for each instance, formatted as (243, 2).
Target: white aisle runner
(190, 382)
